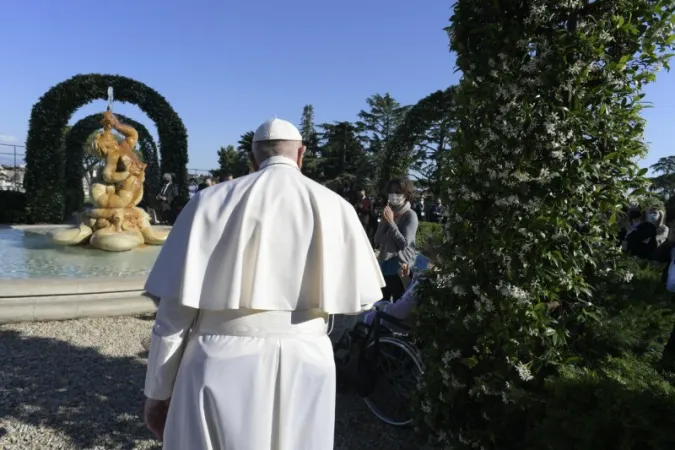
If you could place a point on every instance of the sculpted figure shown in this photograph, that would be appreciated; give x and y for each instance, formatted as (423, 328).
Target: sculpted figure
(116, 223)
(123, 174)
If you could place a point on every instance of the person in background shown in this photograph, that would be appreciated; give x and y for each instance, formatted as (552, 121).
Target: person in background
(228, 177)
(402, 307)
(633, 219)
(161, 207)
(436, 212)
(421, 210)
(395, 237)
(208, 182)
(364, 208)
(658, 218)
(641, 238)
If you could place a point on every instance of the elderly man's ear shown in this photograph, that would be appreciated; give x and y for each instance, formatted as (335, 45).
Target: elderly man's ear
(253, 161)
(301, 155)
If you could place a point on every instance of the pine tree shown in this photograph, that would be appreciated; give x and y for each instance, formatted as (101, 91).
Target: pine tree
(379, 124)
(344, 161)
(310, 139)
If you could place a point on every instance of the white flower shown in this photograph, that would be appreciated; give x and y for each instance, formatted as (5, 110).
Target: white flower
(524, 372)
(450, 355)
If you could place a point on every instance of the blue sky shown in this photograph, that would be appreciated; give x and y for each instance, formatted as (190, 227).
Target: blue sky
(228, 66)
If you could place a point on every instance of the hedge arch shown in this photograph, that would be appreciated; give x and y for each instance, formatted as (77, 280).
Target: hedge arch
(45, 181)
(418, 119)
(74, 151)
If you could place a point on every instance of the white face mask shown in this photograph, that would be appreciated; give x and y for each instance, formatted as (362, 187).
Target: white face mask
(396, 199)
(653, 217)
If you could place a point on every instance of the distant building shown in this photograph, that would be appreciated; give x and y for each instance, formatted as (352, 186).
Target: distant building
(11, 179)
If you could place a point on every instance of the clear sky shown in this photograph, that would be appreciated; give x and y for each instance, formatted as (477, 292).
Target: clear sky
(227, 66)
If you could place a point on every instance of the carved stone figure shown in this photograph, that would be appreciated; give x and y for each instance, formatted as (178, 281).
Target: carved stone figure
(115, 223)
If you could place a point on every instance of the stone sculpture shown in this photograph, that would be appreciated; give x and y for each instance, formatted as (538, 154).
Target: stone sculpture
(116, 223)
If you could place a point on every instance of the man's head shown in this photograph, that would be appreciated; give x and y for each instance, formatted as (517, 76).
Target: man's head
(228, 177)
(277, 137)
(167, 177)
(208, 181)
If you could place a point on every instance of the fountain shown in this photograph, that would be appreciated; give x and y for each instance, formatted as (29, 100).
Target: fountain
(116, 223)
(45, 275)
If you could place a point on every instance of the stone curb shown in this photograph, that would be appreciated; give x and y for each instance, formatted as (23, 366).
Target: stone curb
(33, 287)
(65, 307)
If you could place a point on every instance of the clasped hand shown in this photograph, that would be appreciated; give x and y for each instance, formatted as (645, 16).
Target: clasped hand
(388, 214)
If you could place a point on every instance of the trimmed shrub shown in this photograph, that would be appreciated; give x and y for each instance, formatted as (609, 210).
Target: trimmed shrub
(624, 404)
(428, 230)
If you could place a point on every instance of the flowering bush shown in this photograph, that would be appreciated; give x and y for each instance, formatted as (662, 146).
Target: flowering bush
(543, 159)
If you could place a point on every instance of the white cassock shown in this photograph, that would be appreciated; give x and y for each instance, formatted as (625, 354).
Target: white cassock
(257, 264)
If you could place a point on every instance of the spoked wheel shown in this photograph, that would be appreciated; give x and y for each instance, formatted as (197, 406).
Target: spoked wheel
(398, 369)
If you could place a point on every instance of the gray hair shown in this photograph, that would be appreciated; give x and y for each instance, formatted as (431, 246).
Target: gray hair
(168, 175)
(263, 150)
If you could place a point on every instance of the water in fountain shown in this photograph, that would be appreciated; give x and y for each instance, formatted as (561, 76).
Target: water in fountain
(28, 253)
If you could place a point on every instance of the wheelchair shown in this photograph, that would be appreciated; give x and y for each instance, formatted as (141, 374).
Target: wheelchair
(382, 366)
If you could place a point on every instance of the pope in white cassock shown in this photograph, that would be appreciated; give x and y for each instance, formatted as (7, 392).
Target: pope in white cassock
(247, 279)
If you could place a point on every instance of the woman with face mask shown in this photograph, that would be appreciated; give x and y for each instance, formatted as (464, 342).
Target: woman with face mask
(395, 237)
(658, 218)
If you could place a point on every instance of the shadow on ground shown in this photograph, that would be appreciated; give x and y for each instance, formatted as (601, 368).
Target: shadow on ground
(96, 400)
(93, 399)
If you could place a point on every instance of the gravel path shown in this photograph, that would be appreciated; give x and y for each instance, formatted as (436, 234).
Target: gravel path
(78, 385)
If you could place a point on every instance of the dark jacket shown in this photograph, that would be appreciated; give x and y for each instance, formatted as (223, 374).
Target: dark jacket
(642, 241)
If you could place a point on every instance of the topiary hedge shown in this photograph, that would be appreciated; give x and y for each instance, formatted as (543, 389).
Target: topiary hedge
(12, 207)
(74, 151)
(45, 162)
(549, 130)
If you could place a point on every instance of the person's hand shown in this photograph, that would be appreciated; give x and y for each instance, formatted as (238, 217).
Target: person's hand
(154, 416)
(404, 271)
(388, 214)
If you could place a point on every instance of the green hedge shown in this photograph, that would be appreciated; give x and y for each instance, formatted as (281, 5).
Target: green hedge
(616, 396)
(428, 230)
(12, 207)
(624, 404)
(45, 180)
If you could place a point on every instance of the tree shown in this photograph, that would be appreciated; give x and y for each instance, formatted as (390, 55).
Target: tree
(664, 183)
(379, 124)
(425, 137)
(245, 143)
(310, 139)
(344, 162)
(548, 133)
(231, 162)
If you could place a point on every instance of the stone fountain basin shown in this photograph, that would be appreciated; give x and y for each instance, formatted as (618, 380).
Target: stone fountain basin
(72, 297)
